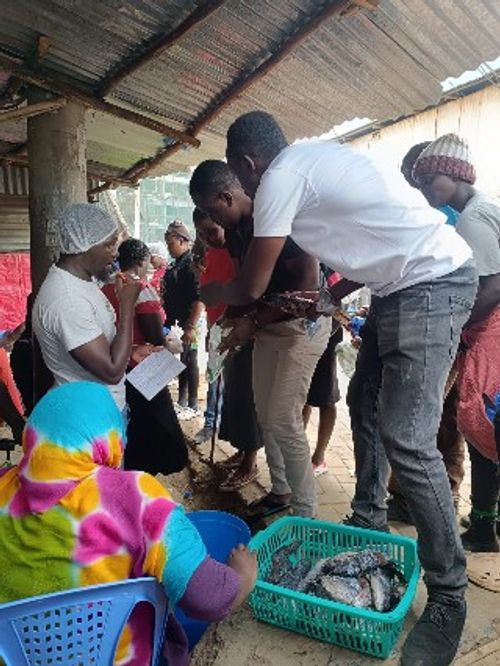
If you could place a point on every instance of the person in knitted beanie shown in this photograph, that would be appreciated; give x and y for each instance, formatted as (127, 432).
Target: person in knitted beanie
(445, 175)
(444, 172)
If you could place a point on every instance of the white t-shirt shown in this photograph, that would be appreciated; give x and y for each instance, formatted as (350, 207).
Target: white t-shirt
(479, 225)
(359, 218)
(68, 313)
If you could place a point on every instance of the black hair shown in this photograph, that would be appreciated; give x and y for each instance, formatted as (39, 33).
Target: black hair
(211, 177)
(200, 215)
(256, 134)
(413, 154)
(132, 252)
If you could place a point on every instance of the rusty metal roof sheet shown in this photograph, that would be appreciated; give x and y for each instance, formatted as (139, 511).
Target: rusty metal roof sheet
(378, 64)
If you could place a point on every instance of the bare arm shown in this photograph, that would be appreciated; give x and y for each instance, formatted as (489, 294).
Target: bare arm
(106, 361)
(194, 315)
(487, 298)
(253, 278)
(190, 325)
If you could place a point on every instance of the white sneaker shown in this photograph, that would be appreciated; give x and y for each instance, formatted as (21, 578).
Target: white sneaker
(188, 413)
(185, 413)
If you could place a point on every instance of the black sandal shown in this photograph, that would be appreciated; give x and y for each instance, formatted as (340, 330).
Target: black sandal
(265, 507)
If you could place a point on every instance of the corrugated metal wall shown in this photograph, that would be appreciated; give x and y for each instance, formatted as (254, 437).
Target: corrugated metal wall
(14, 226)
(475, 117)
(14, 218)
(14, 215)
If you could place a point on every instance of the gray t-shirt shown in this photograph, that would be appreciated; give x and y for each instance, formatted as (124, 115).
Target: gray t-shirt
(479, 225)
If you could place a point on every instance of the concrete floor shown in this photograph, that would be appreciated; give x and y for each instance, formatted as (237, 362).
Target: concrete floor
(242, 641)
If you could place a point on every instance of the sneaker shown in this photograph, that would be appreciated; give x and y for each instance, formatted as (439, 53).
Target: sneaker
(204, 435)
(355, 521)
(481, 537)
(319, 470)
(434, 640)
(185, 414)
(397, 510)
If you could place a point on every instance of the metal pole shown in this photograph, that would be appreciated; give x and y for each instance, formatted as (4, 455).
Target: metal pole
(216, 418)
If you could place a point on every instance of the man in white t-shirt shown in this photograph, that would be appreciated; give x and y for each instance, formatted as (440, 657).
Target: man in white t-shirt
(369, 225)
(72, 319)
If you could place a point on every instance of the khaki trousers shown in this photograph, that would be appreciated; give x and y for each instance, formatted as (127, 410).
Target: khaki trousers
(284, 360)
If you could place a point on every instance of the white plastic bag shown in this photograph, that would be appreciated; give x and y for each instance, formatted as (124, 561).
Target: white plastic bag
(173, 343)
(215, 357)
(346, 356)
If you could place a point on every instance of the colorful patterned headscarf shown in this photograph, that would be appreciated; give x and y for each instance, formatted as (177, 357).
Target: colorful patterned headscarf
(72, 432)
(70, 517)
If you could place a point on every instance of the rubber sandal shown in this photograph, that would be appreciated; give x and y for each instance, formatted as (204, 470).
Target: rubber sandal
(265, 507)
(230, 463)
(483, 570)
(236, 480)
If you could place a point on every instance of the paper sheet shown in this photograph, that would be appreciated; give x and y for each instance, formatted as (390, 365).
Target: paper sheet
(154, 373)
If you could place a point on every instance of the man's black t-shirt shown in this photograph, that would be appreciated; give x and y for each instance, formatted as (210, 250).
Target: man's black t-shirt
(181, 290)
(237, 243)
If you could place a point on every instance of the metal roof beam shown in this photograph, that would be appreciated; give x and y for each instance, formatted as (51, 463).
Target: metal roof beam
(155, 47)
(53, 84)
(332, 8)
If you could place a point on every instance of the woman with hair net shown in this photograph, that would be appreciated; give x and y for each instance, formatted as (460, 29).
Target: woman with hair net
(72, 319)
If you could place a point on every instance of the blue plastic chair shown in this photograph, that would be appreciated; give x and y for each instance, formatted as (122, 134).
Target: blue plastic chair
(78, 627)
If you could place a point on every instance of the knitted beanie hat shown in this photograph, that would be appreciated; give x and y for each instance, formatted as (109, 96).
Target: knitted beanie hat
(178, 229)
(449, 155)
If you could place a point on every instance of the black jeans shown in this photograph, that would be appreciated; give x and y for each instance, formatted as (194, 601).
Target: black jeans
(396, 399)
(485, 482)
(189, 378)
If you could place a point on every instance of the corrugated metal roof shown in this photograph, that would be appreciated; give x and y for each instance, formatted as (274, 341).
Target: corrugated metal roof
(378, 64)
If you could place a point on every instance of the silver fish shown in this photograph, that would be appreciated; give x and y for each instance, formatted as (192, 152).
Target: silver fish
(352, 591)
(354, 563)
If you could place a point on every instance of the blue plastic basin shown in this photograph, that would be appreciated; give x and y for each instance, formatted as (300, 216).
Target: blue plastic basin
(220, 532)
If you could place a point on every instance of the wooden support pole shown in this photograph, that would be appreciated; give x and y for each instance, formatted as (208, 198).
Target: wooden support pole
(57, 177)
(33, 110)
(159, 44)
(53, 84)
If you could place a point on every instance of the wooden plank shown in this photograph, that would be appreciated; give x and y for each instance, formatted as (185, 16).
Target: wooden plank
(33, 109)
(55, 85)
(158, 45)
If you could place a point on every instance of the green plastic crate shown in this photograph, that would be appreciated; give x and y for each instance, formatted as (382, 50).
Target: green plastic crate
(366, 631)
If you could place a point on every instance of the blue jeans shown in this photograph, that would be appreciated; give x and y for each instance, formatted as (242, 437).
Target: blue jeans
(395, 400)
(212, 409)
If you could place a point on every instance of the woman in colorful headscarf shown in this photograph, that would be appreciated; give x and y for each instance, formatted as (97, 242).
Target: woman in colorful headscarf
(70, 517)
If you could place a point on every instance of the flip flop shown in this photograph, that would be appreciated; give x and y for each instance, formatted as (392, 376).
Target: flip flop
(265, 507)
(236, 480)
(483, 570)
(230, 463)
